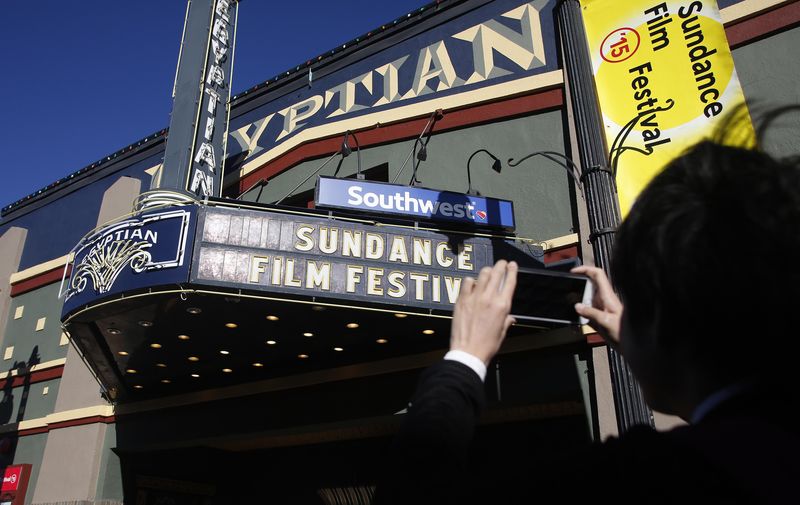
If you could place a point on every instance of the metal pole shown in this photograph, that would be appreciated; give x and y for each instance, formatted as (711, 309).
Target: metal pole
(599, 190)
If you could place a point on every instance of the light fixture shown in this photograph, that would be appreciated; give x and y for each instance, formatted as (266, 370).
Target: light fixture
(138, 386)
(114, 331)
(308, 334)
(352, 325)
(165, 381)
(381, 341)
(145, 324)
(318, 308)
(428, 332)
(183, 337)
(338, 349)
(227, 370)
(272, 318)
(258, 365)
(231, 325)
(122, 353)
(271, 342)
(401, 316)
(496, 166)
(130, 370)
(224, 352)
(302, 356)
(194, 310)
(195, 375)
(161, 365)
(155, 345)
(194, 358)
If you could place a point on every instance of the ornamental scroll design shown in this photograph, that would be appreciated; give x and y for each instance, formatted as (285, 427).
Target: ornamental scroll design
(106, 261)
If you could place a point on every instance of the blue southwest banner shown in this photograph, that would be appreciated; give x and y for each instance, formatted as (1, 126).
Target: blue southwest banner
(414, 203)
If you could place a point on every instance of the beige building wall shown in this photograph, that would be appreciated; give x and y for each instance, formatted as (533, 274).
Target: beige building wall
(72, 456)
(11, 245)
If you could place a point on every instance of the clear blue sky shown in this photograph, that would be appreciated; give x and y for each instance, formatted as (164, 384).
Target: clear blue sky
(83, 79)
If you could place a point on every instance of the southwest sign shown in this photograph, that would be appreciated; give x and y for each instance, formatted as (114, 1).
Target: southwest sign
(414, 203)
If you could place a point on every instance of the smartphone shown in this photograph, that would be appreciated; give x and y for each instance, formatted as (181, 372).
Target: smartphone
(550, 297)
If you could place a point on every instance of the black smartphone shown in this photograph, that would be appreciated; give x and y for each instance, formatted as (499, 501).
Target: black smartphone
(550, 297)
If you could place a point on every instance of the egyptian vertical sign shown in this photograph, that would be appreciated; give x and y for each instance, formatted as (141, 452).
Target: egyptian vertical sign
(665, 79)
(198, 127)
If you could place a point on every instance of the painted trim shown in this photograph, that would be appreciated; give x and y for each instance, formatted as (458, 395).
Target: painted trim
(37, 368)
(33, 378)
(519, 86)
(763, 25)
(39, 281)
(66, 419)
(39, 269)
(748, 8)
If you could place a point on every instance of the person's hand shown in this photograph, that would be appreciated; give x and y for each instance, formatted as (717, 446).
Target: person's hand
(605, 313)
(480, 316)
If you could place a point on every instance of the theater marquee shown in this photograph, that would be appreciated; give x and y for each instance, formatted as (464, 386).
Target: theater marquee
(336, 259)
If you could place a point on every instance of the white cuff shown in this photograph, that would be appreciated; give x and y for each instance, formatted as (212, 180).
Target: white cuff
(475, 363)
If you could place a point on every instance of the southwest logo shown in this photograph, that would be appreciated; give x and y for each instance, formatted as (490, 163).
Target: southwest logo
(481, 214)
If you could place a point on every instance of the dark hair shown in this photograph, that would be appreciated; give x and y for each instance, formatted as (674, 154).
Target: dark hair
(709, 251)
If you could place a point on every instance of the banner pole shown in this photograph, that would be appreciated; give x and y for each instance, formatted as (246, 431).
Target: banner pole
(600, 191)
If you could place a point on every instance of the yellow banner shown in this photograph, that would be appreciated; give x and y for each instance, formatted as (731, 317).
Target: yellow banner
(665, 79)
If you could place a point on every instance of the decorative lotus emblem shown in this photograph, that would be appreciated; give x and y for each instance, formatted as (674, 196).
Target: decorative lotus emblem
(105, 262)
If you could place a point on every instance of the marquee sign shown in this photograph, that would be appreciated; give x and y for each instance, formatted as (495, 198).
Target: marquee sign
(324, 258)
(119, 257)
(414, 203)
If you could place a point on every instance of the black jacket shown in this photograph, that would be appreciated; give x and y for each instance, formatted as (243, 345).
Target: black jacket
(744, 451)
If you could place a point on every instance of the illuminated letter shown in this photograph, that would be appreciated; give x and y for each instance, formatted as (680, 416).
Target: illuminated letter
(257, 266)
(464, 257)
(353, 277)
(419, 285)
(453, 285)
(422, 252)
(304, 234)
(318, 276)
(220, 51)
(374, 246)
(213, 98)
(398, 251)
(276, 271)
(328, 242)
(223, 6)
(443, 260)
(220, 31)
(398, 289)
(209, 133)
(289, 279)
(202, 181)
(215, 76)
(205, 154)
(374, 281)
(351, 243)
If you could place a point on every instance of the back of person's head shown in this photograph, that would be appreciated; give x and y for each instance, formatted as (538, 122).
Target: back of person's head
(709, 253)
